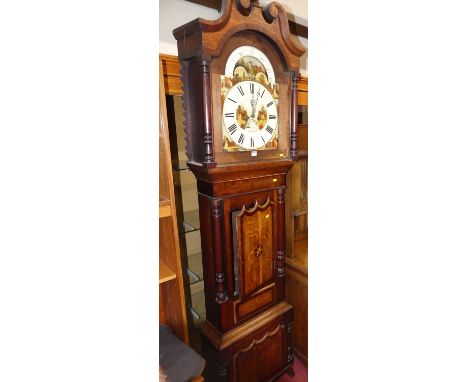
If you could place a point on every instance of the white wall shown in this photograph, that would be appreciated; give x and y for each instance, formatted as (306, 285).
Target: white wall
(174, 13)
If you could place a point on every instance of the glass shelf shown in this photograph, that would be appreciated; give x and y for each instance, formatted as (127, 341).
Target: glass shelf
(197, 307)
(180, 165)
(195, 268)
(186, 204)
(190, 223)
(192, 277)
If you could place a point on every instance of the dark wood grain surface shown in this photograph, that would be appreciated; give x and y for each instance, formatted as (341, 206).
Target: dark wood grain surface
(247, 336)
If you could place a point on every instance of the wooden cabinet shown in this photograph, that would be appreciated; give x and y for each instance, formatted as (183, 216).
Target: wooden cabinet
(242, 237)
(186, 203)
(296, 232)
(171, 292)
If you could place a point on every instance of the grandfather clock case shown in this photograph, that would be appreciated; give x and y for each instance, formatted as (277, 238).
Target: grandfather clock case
(239, 76)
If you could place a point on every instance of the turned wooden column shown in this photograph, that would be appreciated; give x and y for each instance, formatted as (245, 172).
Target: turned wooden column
(208, 160)
(216, 206)
(294, 151)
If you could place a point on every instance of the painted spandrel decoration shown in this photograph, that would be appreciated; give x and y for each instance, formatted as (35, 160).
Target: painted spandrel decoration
(250, 100)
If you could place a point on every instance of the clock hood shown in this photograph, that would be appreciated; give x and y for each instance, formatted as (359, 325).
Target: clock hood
(208, 37)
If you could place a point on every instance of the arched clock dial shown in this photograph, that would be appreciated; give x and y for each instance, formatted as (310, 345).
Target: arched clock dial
(250, 63)
(250, 115)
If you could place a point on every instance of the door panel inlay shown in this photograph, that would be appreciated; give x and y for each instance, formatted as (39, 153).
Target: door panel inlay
(254, 228)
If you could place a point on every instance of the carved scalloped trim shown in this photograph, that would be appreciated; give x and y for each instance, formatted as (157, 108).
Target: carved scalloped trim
(245, 6)
(245, 3)
(226, 8)
(275, 10)
(256, 342)
(256, 207)
(270, 12)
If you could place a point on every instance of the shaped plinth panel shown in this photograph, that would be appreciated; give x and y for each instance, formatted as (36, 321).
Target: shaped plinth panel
(262, 358)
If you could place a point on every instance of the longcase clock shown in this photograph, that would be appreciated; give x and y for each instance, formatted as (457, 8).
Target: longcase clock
(239, 76)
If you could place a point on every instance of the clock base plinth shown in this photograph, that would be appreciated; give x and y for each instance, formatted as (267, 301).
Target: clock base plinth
(257, 351)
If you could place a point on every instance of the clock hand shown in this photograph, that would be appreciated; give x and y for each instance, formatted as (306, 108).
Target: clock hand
(254, 103)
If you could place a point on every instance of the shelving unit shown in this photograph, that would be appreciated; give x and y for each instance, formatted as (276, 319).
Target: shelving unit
(296, 231)
(186, 203)
(165, 274)
(171, 287)
(165, 209)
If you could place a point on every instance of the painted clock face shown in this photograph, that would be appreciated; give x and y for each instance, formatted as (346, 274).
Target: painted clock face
(250, 115)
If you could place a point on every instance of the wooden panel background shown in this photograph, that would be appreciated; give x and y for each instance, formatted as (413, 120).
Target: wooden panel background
(262, 358)
(256, 249)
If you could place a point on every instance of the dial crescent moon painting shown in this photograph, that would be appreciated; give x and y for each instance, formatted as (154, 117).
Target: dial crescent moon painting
(246, 62)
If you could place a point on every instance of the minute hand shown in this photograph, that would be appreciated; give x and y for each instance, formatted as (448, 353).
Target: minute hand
(254, 104)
